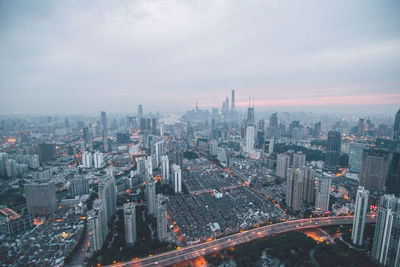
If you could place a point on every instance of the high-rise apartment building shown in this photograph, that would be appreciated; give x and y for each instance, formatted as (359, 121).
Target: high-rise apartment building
(149, 167)
(162, 219)
(105, 131)
(294, 189)
(41, 197)
(213, 147)
(177, 174)
(333, 151)
(98, 160)
(79, 186)
(374, 169)
(385, 248)
(47, 152)
(165, 169)
(97, 225)
(322, 193)
(309, 185)
(299, 160)
(151, 196)
(108, 196)
(130, 224)
(355, 157)
(360, 213)
(87, 160)
(282, 165)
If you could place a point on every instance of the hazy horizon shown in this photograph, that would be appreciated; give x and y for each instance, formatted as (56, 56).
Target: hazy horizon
(83, 57)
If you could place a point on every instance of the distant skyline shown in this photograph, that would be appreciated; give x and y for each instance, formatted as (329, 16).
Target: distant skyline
(78, 57)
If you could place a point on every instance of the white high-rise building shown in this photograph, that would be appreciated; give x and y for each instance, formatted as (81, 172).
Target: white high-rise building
(323, 193)
(149, 167)
(87, 160)
(299, 160)
(385, 248)
(97, 225)
(151, 196)
(165, 169)
(107, 193)
(98, 160)
(282, 165)
(35, 161)
(158, 151)
(130, 223)
(357, 233)
(176, 170)
(213, 147)
(162, 219)
(294, 189)
(271, 146)
(250, 132)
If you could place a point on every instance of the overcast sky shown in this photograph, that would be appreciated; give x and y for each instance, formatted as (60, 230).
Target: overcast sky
(87, 56)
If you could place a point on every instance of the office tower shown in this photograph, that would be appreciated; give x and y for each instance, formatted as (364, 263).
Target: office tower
(162, 219)
(250, 115)
(396, 127)
(294, 189)
(309, 185)
(393, 178)
(355, 157)
(140, 165)
(250, 138)
(226, 104)
(271, 146)
(213, 147)
(87, 160)
(105, 131)
(41, 197)
(98, 160)
(299, 160)
(317, 130)
(165, 169)
(47, 152)
(333, 151)
(177, 174)
(97, 225)
(162, 129)
(322, 193)
(151, 196)
(360, 127)
(158, 151)
(108, 196)
(140, 112)
(149, 167)
(385, 248)
(374, 169)
(78, 186)
(261, 125)
(3, 159)
(233, 100)
(273, 128)
(360, 212)
(130, 224)
(282, 165)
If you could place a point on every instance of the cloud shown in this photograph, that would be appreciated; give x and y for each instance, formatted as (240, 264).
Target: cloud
(87, 56)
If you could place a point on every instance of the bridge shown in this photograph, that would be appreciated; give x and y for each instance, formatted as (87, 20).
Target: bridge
(191, 252)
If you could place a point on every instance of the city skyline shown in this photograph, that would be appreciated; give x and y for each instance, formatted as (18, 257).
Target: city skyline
(295, 56)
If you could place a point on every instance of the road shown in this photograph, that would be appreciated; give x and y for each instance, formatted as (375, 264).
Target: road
(191, 252)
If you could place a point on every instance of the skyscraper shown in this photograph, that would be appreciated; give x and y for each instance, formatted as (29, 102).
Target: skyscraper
(396, 126)
(374, 169)
(355, 157)
(317, 130)
(40, 197)
(299, 160)
(282, 165)
(294, 189)
(333, 151)
(273, 128)
(250, 131)
(393, 179)
(130, 223)
(250, 115)
(177, 173)
(233, 100)
(149, 167)
(140, 112)
(105, 132)
(151, 196)
(79, 186)
(98, 160)
(97, 225)
(108, 196)
(47, 152)
(385, 248)
(162, 219)
(87, 160)
(309, 185)
(322, 193)
(165, 169)
(361, 207)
